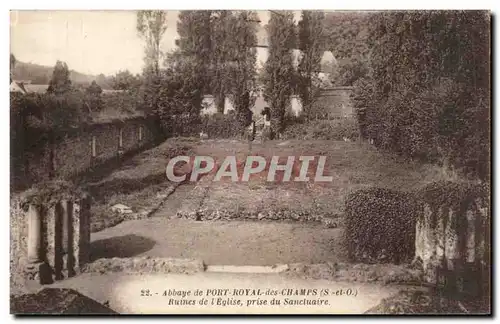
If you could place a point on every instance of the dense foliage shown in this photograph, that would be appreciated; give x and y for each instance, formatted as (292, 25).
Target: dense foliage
(49, 111)
(60, 81)
(311, 43)
(279, 71)
(125, 103)
(241, 66)
(427, 91)
(347, 37)
(335, 130)
(94, 99)
(48, 193)
(151, 26)
(180, 96)
(380, 225)
(12, 65)
(215, 54)
(124, 80)
(220, 42)
(220, 125)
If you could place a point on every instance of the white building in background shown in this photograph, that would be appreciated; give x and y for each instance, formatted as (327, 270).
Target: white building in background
(16, 86)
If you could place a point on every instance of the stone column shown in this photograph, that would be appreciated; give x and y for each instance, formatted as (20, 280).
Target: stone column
(51, 241)
(36, 268)
(34, 235)
(65, 225)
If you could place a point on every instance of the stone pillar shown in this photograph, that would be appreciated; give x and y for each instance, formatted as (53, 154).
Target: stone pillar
(36, 268)
(452, 237)
(80, 227)
(121, 150)
(34, 234)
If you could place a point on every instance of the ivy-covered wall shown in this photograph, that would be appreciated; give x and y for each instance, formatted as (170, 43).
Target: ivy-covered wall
(75, 151)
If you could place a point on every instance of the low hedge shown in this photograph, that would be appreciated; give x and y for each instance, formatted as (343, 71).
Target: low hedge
(224, 126)
(220, 125)
(380, 225)
(335, 130)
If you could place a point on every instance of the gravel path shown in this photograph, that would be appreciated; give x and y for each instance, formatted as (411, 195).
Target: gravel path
(219, 242)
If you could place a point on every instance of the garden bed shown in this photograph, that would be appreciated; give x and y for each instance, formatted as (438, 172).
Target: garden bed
(140, 183)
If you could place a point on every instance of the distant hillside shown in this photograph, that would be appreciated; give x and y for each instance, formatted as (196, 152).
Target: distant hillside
(40, 74)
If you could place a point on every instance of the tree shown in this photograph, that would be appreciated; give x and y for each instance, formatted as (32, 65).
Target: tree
(279, 71)
(220, 43)
(349, 70)
(184, 81)
(151, 26)
(194, 28)
(240, 83)
(94, 92)
(60, 82)
(179, 95)
(347, 36)
(311, 44)
(12, 65)
(124, 80)
(103, 81)
(233, 41)
(94, 89)
(216, 54)
(347, 33)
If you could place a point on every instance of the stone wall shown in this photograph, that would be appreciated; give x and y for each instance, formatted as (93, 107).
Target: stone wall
(333, 103)
(75, 151)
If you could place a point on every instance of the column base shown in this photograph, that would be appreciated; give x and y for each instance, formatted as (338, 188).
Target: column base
(40, 272)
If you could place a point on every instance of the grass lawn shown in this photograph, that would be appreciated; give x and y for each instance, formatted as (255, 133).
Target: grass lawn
(136, 183)
(352, 165)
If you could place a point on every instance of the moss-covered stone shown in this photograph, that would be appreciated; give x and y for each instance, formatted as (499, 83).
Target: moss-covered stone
(49, 193)
(423, 302)
(57, 301)
(453, 237)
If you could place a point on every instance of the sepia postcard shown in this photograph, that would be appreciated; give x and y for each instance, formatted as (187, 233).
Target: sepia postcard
(250, 162)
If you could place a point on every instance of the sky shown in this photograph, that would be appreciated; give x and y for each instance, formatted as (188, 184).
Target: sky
(90, 42)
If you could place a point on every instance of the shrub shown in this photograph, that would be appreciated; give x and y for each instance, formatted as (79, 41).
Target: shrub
(176, 96)
(126, 101)
(335, 130)
(380, 225)
(221, 125)
(36, 117)
(50, 111)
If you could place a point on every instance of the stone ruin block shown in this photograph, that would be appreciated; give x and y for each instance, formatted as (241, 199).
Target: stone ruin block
(67, 234)
(55, 301)
(453, 237)
(50, 241)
